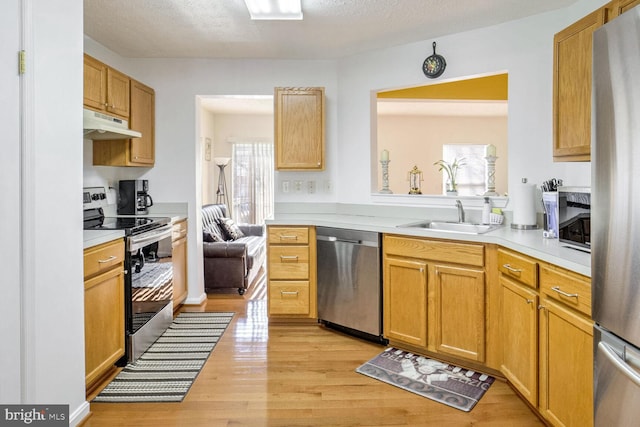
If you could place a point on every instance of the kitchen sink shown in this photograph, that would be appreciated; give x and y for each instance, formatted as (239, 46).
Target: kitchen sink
(452, 227)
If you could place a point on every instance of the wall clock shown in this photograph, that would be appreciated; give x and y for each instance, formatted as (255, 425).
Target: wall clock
(434, 65)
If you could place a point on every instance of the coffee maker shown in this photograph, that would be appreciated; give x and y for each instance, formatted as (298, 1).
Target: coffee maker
(133, 197)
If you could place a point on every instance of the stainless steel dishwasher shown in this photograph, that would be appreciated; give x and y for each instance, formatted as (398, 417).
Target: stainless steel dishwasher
(349, 286)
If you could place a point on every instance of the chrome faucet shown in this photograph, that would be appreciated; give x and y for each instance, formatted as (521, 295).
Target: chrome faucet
(460, 211)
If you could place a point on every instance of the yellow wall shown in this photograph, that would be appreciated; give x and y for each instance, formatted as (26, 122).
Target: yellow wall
(481, 88)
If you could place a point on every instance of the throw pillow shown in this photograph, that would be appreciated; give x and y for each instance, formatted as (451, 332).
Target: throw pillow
(230, 228)
(212, 234)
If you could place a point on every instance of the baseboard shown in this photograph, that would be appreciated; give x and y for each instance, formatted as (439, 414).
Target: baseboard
(80, 415)
(195, 301)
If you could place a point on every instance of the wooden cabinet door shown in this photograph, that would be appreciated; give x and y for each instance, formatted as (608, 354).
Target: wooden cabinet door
(95, 84)
(572, 78)
(458, 312)
(621, 6)
(179, 259)
(299, 128)
(103, 323)
(566, 366)
(520, 338)
(118, 87)
(143, 120)
(405, 300)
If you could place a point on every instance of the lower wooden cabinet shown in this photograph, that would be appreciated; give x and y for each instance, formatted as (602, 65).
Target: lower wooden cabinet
(405, 300)
(434, 295)
(459, 311)
(548, 338)
(520, 338)
(291, 272)
(566, 366)
(104, 330)
(179, 259)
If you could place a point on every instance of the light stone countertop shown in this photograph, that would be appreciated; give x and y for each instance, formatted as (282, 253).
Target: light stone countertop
(528, 242)
(97, 237)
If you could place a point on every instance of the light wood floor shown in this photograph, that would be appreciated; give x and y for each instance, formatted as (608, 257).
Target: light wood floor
(277, 375)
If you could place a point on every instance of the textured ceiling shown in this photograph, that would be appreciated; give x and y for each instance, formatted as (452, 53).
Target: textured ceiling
(330, 29)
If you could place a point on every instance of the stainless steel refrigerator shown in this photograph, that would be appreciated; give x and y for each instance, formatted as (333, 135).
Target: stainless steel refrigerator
(615, 216)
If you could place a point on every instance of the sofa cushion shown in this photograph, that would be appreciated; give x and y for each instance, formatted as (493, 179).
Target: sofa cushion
(212, 234)
(230, 228)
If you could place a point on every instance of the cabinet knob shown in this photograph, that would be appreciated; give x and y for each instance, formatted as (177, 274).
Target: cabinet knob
(541, 307)
(529, 301)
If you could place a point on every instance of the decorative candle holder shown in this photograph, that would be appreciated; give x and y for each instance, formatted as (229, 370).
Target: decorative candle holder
(415, 178)
(491, 176)
(385, 177)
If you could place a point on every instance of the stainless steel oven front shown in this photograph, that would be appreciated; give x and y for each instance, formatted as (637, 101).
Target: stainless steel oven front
(148, 288)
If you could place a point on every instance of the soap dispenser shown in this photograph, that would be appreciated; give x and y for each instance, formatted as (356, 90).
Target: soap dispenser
(486, 211)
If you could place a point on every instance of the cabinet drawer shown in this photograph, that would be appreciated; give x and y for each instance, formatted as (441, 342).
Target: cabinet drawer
(460, 253)
(288, 235)
(288, 262)
(566, 287)
(518, 266)
(179, 230)
(290, 297)
(103, 257)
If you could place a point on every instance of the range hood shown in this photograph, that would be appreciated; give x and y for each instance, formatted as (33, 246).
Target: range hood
(99, 126)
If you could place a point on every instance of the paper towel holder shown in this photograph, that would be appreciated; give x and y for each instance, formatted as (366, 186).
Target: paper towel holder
(524, 226)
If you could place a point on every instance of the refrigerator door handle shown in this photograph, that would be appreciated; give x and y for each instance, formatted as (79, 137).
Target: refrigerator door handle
(619, 363)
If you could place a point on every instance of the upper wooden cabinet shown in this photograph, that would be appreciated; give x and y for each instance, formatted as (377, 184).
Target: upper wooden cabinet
(135, 151)
(621, 6)
(572, 53)
(299, 128)
(105, 89)
(572, 82)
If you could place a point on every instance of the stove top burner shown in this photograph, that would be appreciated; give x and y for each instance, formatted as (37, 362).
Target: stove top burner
(95, 220)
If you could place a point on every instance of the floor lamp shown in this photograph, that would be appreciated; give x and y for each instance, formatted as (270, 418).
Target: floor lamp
(221, 195)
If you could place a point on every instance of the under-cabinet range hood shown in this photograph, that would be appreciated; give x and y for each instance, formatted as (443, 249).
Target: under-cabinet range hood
(99, 126)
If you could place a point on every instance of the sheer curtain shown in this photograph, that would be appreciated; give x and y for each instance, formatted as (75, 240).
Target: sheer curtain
(252, 182)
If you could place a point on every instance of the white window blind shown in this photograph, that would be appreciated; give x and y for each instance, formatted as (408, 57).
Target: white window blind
(252, 182)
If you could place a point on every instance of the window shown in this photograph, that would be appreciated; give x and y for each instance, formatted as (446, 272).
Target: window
(471, 176)
(252, 182)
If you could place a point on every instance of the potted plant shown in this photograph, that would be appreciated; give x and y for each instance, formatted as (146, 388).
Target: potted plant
(451, 168)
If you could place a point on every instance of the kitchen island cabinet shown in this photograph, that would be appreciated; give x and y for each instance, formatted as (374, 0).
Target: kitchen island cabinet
(291, 273)
(179, 259)
(104, 316)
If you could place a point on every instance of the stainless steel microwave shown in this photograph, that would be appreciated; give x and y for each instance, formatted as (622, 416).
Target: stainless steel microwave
(574, 217)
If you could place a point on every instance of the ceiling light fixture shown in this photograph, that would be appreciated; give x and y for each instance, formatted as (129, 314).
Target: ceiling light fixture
(274, 9)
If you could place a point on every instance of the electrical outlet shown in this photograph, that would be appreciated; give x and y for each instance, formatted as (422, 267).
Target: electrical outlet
(285, 186)
(297, 186)
(311, 186)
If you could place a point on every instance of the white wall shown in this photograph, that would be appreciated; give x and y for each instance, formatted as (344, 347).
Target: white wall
(418, 140)
(523, 48)
(42, 277)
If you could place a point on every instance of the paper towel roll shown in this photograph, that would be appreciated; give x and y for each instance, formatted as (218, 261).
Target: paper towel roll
(524, 204)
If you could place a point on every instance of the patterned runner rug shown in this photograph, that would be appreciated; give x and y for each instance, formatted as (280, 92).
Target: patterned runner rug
(165, 372)
(439, 381)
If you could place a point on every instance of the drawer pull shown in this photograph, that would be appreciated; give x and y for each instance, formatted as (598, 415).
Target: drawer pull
(563, 293)
(511, 269)
(289, 293)
(288, 237)
(289, 258)
(111, 258)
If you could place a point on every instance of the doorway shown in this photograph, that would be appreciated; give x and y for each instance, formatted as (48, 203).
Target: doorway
(238, 130)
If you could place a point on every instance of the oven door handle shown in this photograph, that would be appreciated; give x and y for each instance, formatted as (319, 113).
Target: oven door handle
(152, 236)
